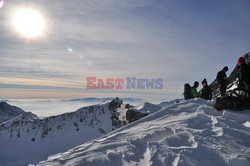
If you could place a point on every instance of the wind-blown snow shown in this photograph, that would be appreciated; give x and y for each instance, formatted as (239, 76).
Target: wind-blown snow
(247, 124)
(188, 133)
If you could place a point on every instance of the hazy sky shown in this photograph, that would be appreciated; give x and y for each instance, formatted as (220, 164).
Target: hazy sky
(177, 40)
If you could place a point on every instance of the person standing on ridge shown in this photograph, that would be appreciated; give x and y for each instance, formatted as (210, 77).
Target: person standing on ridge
(247, 58)
(222, 80)
(206, 92)
(194, 92)
(244, 73)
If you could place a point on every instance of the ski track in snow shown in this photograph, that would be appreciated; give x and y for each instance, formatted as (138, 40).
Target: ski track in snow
(188, 133)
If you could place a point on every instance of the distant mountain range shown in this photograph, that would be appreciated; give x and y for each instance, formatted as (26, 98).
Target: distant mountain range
(8, 112)
(93, 99)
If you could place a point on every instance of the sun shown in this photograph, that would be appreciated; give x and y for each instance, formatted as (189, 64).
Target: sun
(28, 22)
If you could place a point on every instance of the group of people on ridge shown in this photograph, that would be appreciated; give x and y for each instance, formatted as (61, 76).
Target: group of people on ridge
(243, 67)
(244, 72)
(191, 92)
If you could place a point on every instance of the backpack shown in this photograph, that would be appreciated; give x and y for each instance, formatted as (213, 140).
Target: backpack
(187, 92)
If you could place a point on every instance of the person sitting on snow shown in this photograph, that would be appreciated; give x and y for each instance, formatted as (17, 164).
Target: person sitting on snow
(206, 92)
(194, 92)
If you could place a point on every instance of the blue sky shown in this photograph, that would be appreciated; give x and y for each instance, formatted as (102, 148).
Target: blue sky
(179, 41)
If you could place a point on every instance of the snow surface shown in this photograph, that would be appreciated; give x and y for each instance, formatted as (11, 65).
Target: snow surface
(247, 124)
(147, 108)
(187, 133)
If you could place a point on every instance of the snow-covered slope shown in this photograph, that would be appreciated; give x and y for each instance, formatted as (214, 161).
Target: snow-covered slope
(8, 112)
(168, 103)
(147, 108)
(150, 108)
(187, 133)
(27, 141)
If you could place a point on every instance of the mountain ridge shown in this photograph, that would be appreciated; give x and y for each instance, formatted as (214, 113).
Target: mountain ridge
(8, 112)
(186, 133)
(31, 140)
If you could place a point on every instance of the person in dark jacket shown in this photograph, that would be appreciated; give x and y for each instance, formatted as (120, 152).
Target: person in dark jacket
(247, 58)
(222, 80)
(206, 92)
(244, 73)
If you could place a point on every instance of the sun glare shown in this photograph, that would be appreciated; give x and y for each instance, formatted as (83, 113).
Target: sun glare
(28, 22)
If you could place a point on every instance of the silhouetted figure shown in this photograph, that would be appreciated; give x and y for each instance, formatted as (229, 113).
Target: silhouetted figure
(244, 73)
(187, 92)
(222, 80)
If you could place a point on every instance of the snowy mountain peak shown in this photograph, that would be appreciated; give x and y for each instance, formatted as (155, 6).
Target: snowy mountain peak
(8, 112)
(31, 140)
